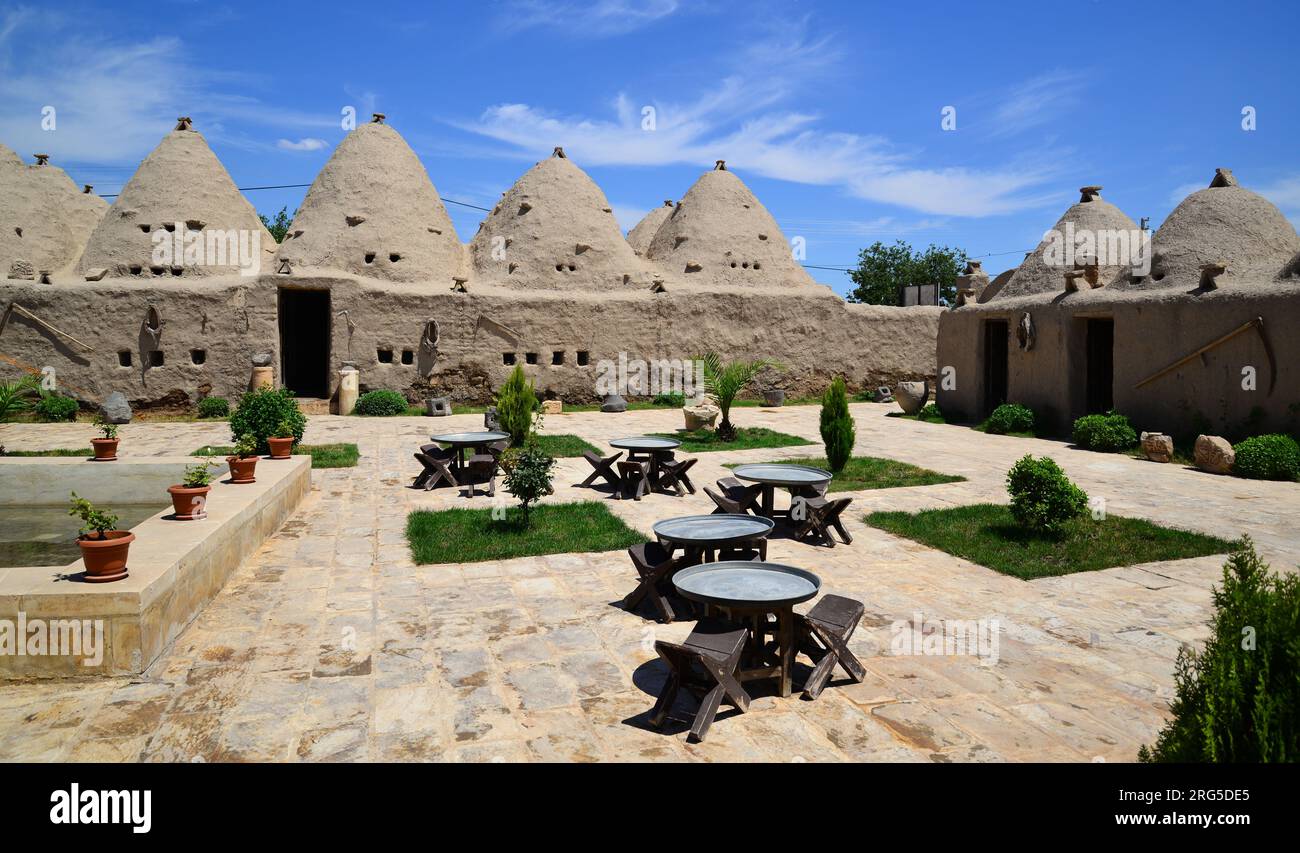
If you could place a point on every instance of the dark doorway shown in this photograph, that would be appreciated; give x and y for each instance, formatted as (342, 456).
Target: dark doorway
(1101, 365)
(305, 341)
(996, 336)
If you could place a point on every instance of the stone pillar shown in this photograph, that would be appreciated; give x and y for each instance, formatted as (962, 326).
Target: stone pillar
(349, 388)
(263, 373)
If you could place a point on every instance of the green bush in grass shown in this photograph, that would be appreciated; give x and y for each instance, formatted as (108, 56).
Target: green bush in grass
(1238, 700)
(1107, 433)
(515, 406)
(1042, 498)
(674, 399)
(930, 412)
(261, 412)
(214, 407)
(1268, 457)
(52, 408)
(379, 404)
(1010, 417)
(838, 431)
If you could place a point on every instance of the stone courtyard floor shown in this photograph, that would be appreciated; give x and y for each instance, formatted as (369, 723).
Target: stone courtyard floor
(331, 645)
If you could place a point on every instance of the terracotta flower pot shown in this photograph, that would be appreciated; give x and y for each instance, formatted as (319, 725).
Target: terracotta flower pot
(281, 448)
(105, 559)
(189, 502)
(241, 469)
(105, 449)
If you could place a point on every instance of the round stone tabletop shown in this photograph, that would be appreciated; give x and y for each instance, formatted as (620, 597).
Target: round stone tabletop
(747, 584)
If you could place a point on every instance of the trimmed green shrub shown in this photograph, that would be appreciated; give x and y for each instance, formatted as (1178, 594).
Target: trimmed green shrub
(528, 474)
(1042, 497)
(56, 407)
(930, 412)
(260, 413)
(1010, 417)
(838, 430)
(379, 404)
(214, 407)
(674, 399)
(515, 406)
(1238, 700)
(1268, 457)
(865, 396)
(1107, 433)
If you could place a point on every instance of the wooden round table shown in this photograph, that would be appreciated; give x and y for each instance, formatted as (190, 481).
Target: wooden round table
(769, 475)
(747, 592)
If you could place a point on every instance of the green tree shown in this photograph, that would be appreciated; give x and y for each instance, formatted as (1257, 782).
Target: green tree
(279, 226)
(882, 270)
(1238, 699)
(528, 475)
(838, 431)
(723, 381)
(515, 405)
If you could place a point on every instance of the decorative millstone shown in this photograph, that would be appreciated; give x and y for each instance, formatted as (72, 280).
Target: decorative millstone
(613, 403)
(115, 409)
(1158, 447)
(437, 407)
(1214, 454)
(912, 396)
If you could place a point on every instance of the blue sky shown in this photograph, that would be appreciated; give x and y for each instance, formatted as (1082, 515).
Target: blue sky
(830, 111)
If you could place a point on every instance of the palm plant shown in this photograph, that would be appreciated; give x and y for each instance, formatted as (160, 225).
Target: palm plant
(16, 397)
(724, 381)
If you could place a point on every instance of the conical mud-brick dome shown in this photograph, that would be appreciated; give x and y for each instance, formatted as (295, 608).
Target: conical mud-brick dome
(180, 184)
(8, 157)
(720, 234)
(640, 236)
(1222, 224)
(1043, 270)
(555, 230)
(372, 211)
(45, 219)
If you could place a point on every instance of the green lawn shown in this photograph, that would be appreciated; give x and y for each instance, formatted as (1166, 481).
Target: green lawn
(322, 455)
(58, 451)
(870, 472)
(472, 535)
(704, 441)
(562, 445)
(987, 534)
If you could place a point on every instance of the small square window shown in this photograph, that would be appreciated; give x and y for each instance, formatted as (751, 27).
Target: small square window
(156, 358)
(198, 356)
(584, 358)
(124, 358)
(530, 358)
(408, 356)
(385, 356)
(507, 358)
(557, 357)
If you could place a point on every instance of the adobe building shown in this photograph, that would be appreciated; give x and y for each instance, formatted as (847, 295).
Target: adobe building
(1202, 341)
(372, 274)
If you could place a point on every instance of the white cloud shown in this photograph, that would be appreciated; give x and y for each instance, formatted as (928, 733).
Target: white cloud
(738, 117)
(628, 215)
(585, 17)
(1284, 192)
(1038, 101)
(307, 143)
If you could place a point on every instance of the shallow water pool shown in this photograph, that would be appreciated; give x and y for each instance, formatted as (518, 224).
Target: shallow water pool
(47, 535)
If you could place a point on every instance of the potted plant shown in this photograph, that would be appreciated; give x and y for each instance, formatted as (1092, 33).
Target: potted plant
(244, 462)
(103, 546)
(190, 498)
(282, 439)
(106, 445)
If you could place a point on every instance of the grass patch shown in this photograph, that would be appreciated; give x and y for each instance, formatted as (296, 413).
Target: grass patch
(704, 441)
(988, 535)
(472, 535)
(57, 451)
(563, 445)
(322, 455)
(870, 472)
(929, 417)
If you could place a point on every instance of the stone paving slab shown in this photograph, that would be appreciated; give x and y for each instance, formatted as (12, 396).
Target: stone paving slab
(331, 645)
